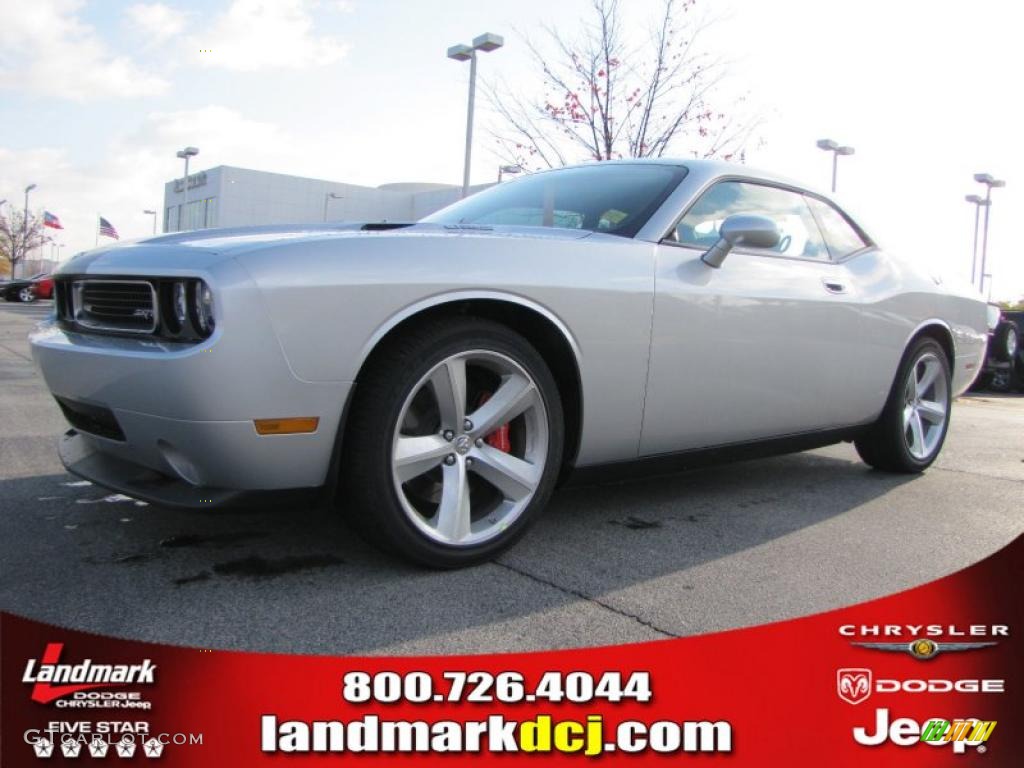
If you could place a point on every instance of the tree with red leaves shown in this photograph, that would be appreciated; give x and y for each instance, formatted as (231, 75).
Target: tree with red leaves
(604, 98)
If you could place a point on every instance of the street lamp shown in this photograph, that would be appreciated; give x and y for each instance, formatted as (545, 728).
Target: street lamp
(508, 169)
(327, 198)
(486, 42)
(153, 214)
(24, 228)
(990, 182)
(978, 202)
(831, 146)
(185, 154)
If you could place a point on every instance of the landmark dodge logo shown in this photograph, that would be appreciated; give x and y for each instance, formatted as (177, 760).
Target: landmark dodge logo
(853, 685)
(84, 676)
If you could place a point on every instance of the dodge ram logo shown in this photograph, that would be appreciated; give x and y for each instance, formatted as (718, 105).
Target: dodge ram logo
(853, 685)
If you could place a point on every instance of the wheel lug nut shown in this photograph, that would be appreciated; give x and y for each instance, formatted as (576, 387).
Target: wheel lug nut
(449, 459)
(448, 435)
(467, 425)
(479, 442)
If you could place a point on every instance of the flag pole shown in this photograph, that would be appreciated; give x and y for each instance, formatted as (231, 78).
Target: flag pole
(97, 230)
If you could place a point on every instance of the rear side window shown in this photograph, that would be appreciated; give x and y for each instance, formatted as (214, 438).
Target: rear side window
(840, 236)
(800, 235)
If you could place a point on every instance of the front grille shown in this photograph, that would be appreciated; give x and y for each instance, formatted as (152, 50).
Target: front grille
(128, 306)
(94, 419)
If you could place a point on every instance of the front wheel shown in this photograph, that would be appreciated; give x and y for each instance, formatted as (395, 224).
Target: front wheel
(27, 294)
(912, 428)
(454, 443)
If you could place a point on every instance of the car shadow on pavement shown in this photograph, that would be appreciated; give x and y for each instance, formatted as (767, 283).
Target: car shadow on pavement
(299, 580)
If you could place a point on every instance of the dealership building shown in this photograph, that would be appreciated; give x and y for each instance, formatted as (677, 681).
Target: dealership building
(226, 196)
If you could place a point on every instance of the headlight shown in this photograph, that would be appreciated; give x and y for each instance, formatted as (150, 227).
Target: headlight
(204, 308)
(180, 303)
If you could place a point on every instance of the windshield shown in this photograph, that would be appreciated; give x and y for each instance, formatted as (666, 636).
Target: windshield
(617, 198)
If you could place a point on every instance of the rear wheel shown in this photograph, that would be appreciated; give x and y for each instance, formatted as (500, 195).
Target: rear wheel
(454, 443)
(912, 428)
(27, 294)
(1005, 342)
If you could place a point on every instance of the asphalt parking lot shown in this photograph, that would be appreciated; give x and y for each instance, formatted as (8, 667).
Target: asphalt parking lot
(726, 547)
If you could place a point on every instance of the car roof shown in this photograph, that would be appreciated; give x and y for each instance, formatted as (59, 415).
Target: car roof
(706, 168)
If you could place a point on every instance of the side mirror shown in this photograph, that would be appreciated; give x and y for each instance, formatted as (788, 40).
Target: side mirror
(742, 229)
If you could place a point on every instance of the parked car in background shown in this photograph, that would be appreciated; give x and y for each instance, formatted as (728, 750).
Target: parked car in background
(1002, 354)
(1016, 316)
(28, 289)
(437, 379)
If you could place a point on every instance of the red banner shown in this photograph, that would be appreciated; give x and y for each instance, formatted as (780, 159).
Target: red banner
(931, 676)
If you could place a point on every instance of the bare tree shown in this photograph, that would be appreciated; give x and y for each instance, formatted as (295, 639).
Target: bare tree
(17, 240)
(605, 97)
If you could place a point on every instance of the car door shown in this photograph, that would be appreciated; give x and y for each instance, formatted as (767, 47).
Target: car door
(765, 346)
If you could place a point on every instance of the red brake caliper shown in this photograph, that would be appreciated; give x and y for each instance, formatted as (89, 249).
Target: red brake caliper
(499, 438)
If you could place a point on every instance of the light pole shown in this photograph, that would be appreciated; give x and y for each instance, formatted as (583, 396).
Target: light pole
(185, 154)
(831, 146)
(502, 169)
(24, 228)
(978, 202)
(327, 198)
(486, 42)
(990, 182)
(148, 212)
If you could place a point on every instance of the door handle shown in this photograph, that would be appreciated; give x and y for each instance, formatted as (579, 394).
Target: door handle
(834, 286)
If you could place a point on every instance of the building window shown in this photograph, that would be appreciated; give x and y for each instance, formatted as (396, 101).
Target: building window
(198, 214)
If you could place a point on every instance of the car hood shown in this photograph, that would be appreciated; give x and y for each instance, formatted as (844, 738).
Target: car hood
(204, 247)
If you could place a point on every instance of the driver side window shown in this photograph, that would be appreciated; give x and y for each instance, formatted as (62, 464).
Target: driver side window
(800, 234)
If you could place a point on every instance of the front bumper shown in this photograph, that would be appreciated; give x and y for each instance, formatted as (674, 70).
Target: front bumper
(82, 458)
(184, 414)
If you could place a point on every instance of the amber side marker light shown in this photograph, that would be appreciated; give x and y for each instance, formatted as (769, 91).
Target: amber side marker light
(296, 426)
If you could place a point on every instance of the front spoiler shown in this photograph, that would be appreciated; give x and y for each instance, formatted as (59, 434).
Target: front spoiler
(84, 460)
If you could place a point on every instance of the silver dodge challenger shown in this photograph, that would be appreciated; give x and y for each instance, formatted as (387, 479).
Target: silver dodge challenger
(438, 379)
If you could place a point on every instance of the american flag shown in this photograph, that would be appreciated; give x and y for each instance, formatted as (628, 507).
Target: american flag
(107, 229)
(49, 220)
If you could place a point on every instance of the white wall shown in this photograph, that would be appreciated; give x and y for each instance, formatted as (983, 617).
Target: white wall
(246, 197)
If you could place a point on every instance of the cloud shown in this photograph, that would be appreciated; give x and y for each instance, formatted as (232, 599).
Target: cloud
(156, 21)
(254, 35)
(46, 49)
(128, 174)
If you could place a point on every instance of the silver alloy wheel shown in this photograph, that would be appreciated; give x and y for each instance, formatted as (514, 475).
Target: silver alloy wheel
(925, 407)
(27, 295)
(453, 485)
(1011, 344)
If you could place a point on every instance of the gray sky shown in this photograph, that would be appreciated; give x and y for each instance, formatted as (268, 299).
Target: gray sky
(96, 98)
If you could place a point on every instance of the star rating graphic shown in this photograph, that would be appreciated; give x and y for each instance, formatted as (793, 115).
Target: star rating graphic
(125, 748)
(71, 748)
(98, 747)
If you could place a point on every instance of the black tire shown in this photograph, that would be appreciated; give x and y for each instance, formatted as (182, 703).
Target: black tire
(367, 495)
(1005, 342)
(26, 295)
(884, 445)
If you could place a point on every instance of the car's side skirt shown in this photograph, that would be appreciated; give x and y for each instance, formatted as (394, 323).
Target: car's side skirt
(670, 463)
